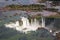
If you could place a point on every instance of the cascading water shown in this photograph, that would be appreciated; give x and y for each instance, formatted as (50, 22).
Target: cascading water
(26, 25)
(43, 22)
(25, 22)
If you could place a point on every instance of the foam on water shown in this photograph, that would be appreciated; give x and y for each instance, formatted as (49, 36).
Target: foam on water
(26, 26)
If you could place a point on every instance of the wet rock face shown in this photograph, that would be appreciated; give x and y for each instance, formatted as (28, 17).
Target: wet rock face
(57, 23)
(49, 21)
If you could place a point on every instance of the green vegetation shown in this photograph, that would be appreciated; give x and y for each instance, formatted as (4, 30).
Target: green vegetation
(52, 9)
(11, 34)
(32, 7)
(54, 16)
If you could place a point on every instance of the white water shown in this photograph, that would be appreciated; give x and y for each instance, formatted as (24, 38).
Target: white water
(25, 22)
(26, 26)
(43, 22)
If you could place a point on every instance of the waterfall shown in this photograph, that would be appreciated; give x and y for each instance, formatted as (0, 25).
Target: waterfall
(25, 21)
(26, 26)
(17, 23)
(43, 22)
